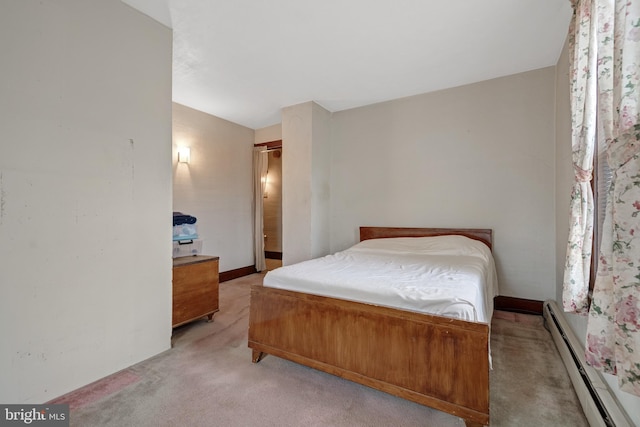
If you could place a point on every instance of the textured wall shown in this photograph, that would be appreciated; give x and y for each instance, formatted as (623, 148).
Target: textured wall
(85, 194)
(215, 186)
(480, 155)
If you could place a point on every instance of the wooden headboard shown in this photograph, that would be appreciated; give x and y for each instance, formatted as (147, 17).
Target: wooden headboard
(482, 234)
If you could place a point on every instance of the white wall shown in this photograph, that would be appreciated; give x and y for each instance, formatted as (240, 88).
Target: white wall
(296, 183)
(320, 182)
(480, 155)
(215, 186)
(564, 181)
(268, 134)
(305, 182)
(85, 193)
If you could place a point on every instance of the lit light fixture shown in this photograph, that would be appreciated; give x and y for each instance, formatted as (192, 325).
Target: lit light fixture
(184, 154)
(265, 182)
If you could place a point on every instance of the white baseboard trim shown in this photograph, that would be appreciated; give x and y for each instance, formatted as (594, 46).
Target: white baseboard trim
(599, 404)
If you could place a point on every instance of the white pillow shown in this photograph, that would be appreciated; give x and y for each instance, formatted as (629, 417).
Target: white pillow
(437, 245)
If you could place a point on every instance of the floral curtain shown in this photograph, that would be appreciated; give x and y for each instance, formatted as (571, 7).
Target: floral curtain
(613, 328)
(582, 43)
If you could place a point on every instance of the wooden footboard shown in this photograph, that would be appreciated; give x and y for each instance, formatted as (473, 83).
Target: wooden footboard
(438, 362)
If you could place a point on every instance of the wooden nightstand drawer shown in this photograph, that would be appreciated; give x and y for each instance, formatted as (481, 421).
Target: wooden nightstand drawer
(195, 288)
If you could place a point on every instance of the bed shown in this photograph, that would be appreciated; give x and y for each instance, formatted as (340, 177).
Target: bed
(433, 359)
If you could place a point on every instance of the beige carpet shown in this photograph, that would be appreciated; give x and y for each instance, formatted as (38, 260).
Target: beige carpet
(207, 379)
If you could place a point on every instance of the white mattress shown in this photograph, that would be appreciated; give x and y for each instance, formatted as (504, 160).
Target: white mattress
(451, 276)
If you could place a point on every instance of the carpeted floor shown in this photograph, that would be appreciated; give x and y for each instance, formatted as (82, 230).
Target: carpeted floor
(207, 379)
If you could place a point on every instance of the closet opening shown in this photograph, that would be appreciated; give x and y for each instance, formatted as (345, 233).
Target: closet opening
(272, 205)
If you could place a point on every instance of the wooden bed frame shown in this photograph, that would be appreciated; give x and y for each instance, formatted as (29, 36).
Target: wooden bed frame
(436, 361)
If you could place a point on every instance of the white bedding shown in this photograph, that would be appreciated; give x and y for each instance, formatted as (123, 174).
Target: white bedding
(451, 276)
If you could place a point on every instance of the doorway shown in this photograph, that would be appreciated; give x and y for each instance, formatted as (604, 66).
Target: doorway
(272, 206)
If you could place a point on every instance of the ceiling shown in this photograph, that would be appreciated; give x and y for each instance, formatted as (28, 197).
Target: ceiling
(244, 60)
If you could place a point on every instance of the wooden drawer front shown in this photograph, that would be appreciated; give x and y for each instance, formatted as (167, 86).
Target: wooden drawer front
(195, 291)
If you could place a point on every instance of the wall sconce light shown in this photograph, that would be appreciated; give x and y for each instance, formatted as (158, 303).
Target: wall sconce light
(184, 154)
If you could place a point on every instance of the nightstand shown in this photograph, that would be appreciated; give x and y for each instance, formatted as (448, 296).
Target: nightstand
(195, 288)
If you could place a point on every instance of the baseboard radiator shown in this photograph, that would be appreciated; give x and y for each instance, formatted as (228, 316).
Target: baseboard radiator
(600, 406)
